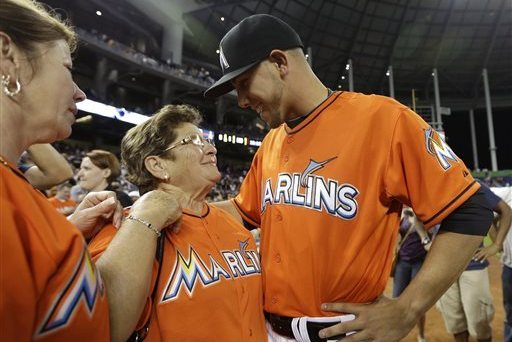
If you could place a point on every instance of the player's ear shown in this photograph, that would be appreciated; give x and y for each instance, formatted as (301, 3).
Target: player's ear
(280, 59)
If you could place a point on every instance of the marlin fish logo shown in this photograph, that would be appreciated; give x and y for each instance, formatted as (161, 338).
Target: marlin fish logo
(312, 167)
(243, 246)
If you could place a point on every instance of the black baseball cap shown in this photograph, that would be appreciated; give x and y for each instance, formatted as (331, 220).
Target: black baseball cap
(249, 43)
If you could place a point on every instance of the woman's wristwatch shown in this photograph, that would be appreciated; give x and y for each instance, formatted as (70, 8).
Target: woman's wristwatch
(425, 241)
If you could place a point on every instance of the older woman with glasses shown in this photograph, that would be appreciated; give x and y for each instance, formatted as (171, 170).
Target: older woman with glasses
(207, 277)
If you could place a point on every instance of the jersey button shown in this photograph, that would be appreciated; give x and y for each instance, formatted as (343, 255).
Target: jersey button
(274, 300)
(286, 158)
(290, 140)
(278, 258)
(279, 217)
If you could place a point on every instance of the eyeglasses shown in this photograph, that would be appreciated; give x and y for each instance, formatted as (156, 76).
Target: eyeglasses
(195, 139)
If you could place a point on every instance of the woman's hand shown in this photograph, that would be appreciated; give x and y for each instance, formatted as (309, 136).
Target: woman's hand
(96, 209)
(162, 207)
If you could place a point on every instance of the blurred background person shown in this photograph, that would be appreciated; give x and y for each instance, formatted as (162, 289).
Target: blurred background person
(62, 200)
(414, 242)
(467, 306)
(224, 293)
(98, 170)
(501, 237)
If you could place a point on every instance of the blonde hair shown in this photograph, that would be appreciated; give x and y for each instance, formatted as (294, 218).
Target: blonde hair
(151, 138)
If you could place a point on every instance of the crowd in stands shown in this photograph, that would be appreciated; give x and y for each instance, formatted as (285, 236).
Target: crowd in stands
(494, 181)
(198, 75)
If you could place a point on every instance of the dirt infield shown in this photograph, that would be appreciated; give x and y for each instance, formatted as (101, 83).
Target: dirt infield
(435, 330)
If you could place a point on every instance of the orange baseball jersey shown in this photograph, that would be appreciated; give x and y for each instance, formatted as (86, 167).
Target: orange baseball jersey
(209, 287)
(50, 289)
(62, 206)
(328, 195)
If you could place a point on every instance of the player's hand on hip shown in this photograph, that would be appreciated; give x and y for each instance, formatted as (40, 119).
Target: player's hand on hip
(383, 320)
(95, 210)
(162, 207)
(483, 253)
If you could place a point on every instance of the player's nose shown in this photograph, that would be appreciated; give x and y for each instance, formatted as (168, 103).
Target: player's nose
(243, 102)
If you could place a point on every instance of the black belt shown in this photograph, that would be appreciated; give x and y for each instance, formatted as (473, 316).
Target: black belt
(283, 326)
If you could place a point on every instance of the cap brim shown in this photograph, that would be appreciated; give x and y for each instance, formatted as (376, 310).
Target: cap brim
(224, 85)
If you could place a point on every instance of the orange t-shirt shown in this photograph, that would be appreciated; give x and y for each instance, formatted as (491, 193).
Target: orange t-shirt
(328, 196)
(62, 207)
(50, 289)
(209, 287)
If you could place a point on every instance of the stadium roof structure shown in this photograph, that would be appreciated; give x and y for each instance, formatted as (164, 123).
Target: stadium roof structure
(458, 37)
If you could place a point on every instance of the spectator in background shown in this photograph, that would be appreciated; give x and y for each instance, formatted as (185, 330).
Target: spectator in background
(500, 226)
(98, 170)
(467, 306)
(62, 200)
(412, 250)
(77, 193)
(50, 167)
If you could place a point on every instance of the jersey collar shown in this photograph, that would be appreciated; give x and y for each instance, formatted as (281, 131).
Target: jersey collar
(314, 114)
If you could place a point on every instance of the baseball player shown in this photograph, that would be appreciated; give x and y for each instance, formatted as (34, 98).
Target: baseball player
(327, 187)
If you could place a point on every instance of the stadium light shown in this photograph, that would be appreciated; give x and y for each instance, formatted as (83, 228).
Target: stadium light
(98, 13)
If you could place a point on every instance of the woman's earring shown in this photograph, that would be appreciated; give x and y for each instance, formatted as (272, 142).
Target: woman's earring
(6, 80)
(166, 177)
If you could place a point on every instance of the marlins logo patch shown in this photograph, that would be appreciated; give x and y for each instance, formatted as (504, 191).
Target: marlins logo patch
(192, 271)
(439, 149)
(82, 289)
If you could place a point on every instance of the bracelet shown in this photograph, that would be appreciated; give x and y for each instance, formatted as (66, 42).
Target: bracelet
(147, 224)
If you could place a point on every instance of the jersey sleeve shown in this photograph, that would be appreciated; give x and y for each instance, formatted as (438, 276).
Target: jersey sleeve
(247, 202)
(423, 172)
(100, 242)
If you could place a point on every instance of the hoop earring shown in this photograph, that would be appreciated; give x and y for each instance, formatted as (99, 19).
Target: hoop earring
(6, 80)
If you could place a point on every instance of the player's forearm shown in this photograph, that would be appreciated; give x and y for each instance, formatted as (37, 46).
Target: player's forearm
(126, 267)
(448, 257)
(52, 167)
(504, 224)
